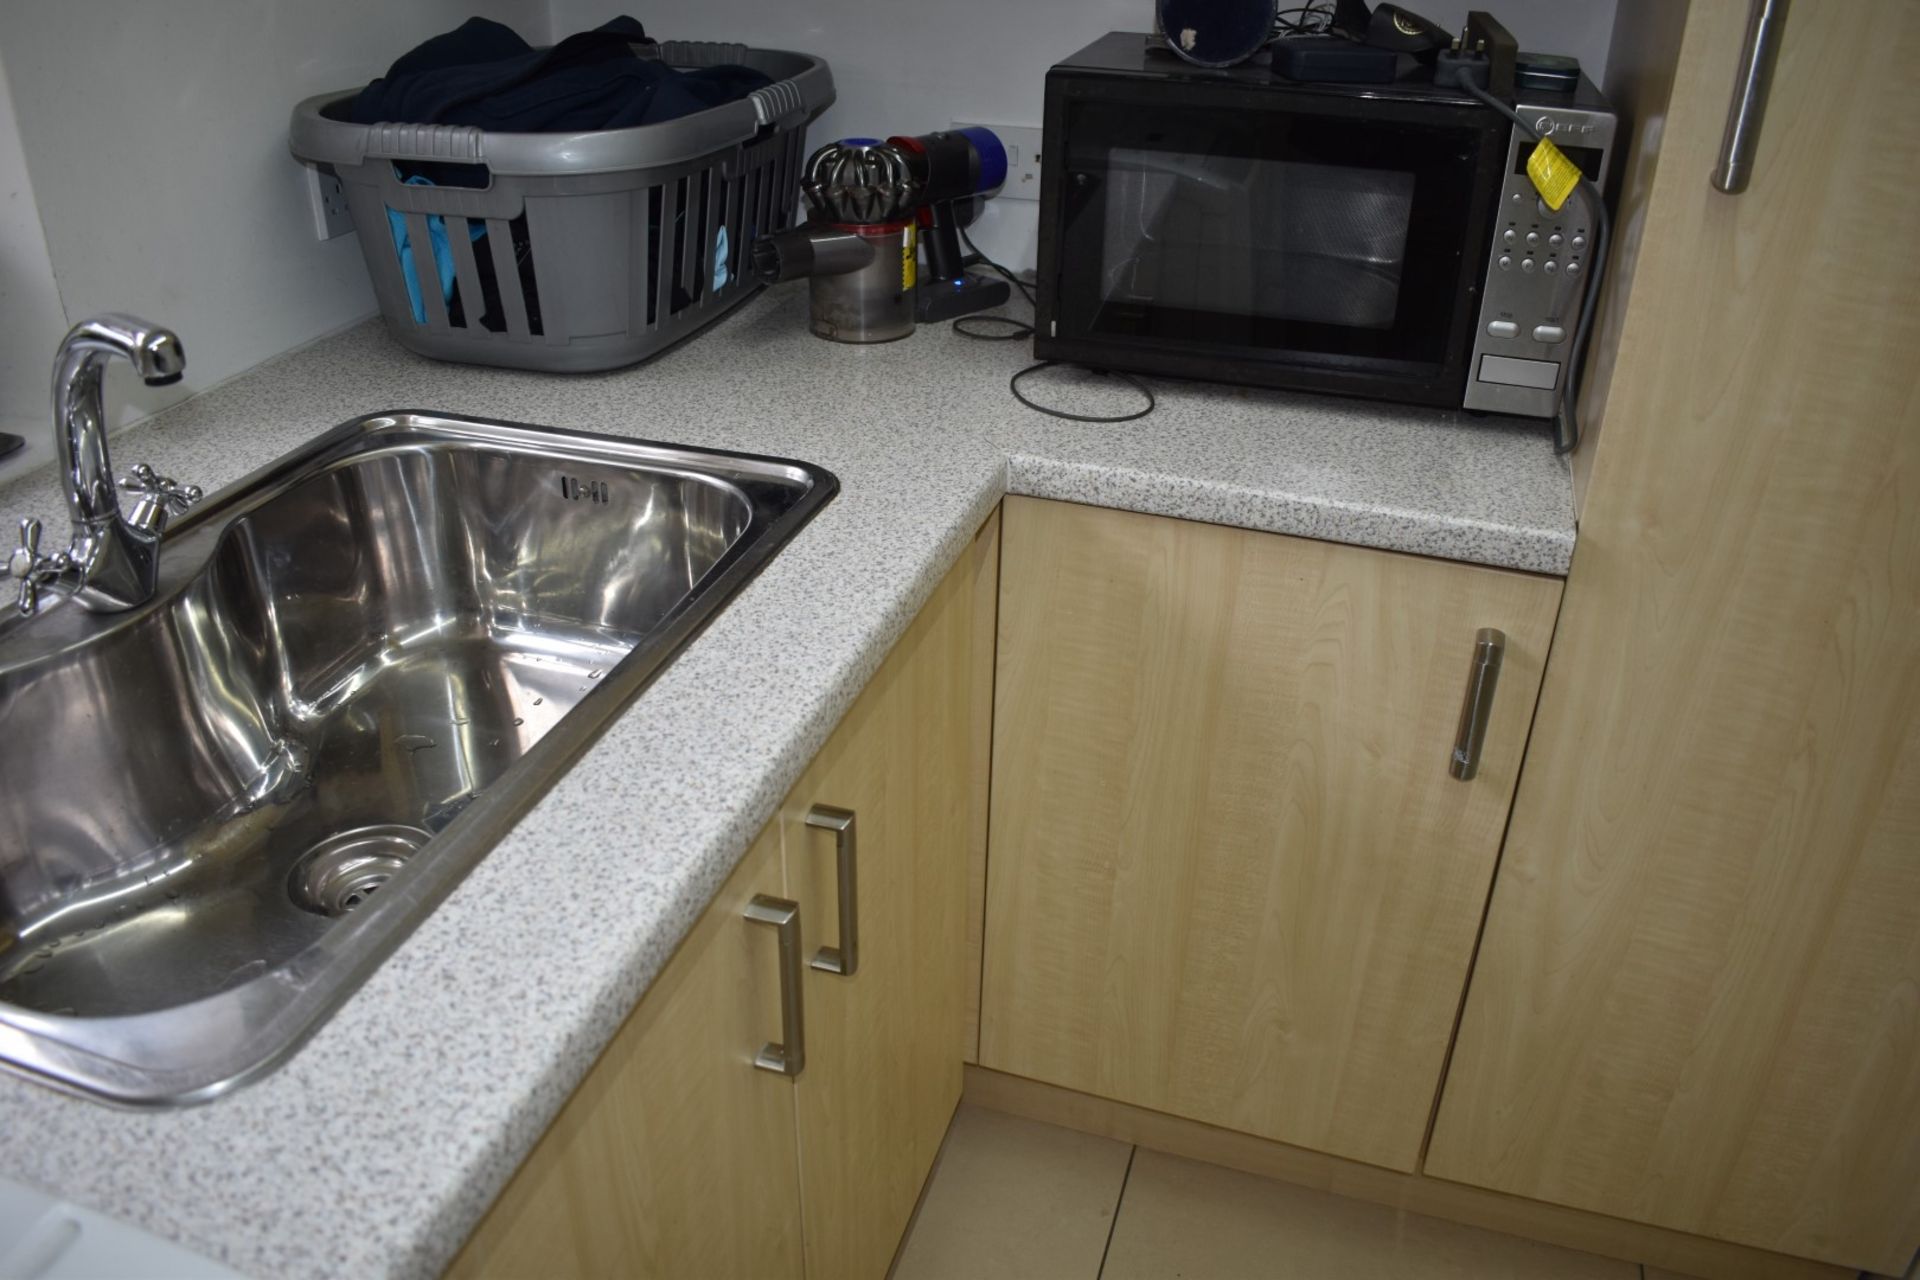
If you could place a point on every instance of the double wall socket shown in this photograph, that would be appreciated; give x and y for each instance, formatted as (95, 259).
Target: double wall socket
(328, 200)
(1023, 157)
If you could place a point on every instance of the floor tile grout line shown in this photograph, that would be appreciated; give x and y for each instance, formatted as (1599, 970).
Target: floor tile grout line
(1118, 1202)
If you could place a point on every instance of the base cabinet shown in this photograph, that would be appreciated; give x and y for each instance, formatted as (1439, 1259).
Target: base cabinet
(677, 1156)
(1230, 877)
(1234, 881)
(885, 1042)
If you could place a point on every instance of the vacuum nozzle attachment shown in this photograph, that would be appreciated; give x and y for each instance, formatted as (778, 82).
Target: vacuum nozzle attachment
(806, 251)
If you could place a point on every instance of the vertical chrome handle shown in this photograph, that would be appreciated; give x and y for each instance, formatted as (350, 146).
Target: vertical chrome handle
(787, 1057)
(845, 958)
(1766, 22)
(1489, 648)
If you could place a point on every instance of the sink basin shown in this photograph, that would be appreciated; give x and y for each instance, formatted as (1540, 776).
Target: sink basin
(364, 663)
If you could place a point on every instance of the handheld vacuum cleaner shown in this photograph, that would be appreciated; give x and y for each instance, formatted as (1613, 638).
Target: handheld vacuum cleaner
(871, 205)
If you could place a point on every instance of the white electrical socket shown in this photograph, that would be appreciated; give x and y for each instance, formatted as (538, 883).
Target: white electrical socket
(328, 200)
(1023, 158)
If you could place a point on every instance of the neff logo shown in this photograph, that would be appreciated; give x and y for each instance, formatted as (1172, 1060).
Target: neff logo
(1547, 124)
(574, 489)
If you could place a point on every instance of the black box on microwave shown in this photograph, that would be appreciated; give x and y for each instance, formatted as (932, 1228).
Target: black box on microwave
(1377, 240)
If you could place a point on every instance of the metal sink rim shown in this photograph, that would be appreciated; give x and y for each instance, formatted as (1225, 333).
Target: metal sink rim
(137, 1060)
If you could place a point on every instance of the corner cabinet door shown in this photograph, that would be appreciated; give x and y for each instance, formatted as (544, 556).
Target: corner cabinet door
(676, 1155)
(886, 1040)
(1230, 876)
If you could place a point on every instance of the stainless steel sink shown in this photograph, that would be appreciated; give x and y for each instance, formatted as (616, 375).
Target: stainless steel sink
(363, 663)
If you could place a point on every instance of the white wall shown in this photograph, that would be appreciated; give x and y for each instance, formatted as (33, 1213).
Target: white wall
(911, 66)
(31, 319)
(155, 138)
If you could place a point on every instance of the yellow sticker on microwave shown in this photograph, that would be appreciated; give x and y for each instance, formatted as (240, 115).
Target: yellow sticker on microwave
(1554, 176)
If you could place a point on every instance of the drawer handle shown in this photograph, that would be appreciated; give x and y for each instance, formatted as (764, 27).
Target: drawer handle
(845, 958)
(1766, 21)
(1489, 647)
(787, 1057)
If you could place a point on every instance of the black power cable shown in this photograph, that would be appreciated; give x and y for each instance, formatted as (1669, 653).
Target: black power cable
(1021, 329)
(1305, 19)
(1013, 385)
(1566, 428)
(1016, 329)
(1026, 290)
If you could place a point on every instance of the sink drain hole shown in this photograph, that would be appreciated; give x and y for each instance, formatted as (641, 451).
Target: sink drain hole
(348, 867)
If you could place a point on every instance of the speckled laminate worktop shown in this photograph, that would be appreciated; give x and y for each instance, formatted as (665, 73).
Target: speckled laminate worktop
(379, 1145)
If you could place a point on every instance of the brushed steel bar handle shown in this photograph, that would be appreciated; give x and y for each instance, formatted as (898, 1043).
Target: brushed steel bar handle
(788, 1055)
(1489, 648)
(845, 958)
(1766, 23)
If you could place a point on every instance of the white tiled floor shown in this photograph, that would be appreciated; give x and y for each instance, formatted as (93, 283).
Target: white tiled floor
(1183, 1218)
(1013, 1199)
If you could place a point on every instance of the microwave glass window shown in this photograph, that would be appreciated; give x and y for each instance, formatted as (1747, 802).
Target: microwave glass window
(1275, 239)
(1346, 240)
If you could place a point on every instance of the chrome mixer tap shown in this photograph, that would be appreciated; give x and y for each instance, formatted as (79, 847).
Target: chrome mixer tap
(112, 558)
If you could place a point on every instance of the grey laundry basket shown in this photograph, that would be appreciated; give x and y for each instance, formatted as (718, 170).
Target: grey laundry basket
(598, 249)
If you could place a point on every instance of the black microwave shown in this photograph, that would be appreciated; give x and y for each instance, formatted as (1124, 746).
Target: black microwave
(1372, 240)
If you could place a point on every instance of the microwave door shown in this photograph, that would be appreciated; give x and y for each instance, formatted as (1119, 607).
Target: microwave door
(1215, 245)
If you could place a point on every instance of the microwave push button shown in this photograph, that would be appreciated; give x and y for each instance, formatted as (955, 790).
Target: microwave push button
(1526, 264)
(1505, 262)
(1540, 374)
(1533, 239)
(1503, 329)
(1549, 333)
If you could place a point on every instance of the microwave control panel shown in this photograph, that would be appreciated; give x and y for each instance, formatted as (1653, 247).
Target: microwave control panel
(1538, 270)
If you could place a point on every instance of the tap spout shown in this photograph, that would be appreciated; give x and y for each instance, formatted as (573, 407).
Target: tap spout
(113, 562)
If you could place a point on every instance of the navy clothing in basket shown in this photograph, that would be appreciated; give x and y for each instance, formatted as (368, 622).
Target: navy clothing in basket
(483, 74)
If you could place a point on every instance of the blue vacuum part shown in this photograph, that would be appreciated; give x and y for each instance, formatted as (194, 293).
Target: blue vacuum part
(993, 157)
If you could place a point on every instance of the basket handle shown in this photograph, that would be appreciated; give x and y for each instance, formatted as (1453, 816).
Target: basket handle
(780, 104)
(316, 139)
(793, 101)
(454, 143)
